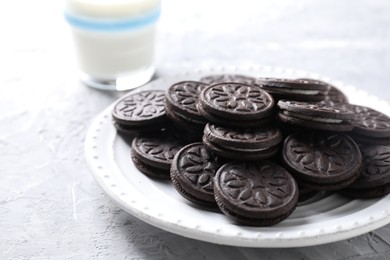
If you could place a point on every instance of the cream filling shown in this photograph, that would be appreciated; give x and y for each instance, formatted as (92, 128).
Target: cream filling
(313, 118)
(300, 91)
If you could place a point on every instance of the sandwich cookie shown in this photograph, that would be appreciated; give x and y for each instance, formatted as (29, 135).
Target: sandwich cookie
(290, 89)
(181, 105)
(374, 181)
(242, 144)
(138, 112)
(192, 172)
(370, 126)
(152, 153)
(322, 160)
(333, 94)
(316, 115)
(236, 105)
(255, 193)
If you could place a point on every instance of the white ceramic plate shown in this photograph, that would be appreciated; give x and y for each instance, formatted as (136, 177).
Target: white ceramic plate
(322, 219)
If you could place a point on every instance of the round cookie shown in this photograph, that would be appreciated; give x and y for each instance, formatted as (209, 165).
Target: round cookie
(192, 172)
(369, 122)
(223, 78)
(333, 94)
(290, 89)
(151, 151)
(255, 193)
(140, 111)
(235, 101)
(376, 167)
(250, 138)
(322, 160)
(316, 115)
(242, 144)
(235, 123)
(181, 104)
(241, 154)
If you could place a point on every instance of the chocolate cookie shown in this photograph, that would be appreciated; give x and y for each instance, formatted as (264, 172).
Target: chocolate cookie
(370, 126)
(374, 181)
(235, 101)
(152, 153)
(142, 111)
(227, 78)
(255, 193)
(316, 115)
(181, 105)
(322, 160)
(192, 172)
(242, 144)
(290, 89)
(333, 94)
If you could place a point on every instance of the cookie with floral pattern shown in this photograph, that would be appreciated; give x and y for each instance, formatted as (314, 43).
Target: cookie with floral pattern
(153, 153)
(316, 115)
(236, 104)
(374, 181)
(322, 160)
(259, 193)
(242, 143)
(181, 105)
(141, 111)
(370, 125)
(192, 172)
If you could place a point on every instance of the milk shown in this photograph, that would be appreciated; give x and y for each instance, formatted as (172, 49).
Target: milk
(114, 40)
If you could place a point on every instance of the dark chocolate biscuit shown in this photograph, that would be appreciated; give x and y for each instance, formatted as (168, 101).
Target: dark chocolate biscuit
(369, 122)
(181, 105)
(316, 115)
(242, 144)
(235, 101)
(255, 193)
(333, 94)
(322, 160)
(376, 171)
(224, 78)
(241, 154)
(182, 98)
(290, 89)
(235, 123)
(250, 138)
(157, 150)
(192, 172)
(139, 111)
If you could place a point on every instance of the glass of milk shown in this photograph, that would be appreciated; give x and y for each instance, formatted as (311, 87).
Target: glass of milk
(114, 41)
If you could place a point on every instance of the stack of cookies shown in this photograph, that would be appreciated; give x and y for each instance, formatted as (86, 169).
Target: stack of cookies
(254, 147)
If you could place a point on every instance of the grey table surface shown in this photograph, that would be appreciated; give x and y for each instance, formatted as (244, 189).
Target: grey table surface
(50, 205)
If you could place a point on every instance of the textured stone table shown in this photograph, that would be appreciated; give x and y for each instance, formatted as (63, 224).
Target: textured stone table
(50, 205)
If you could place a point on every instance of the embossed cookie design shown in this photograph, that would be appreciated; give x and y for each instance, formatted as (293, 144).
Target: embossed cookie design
(374, 181)
(317, 115)
(153, 153)
(181, 104)
(139, 111)
(242, 144)
(192, 173)
(235, 104)
(255, 193)
(322, 160)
